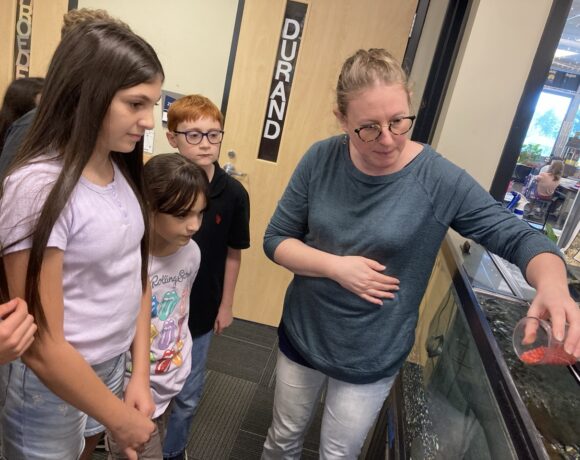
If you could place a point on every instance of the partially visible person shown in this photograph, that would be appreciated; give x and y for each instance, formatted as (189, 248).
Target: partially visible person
(195, 128)
(14, 136)
(546, 167)
(74, 239)
(76, 16)
(17, 330)
(360, 225)
(547, 182)
(21, 96)
(176, 191)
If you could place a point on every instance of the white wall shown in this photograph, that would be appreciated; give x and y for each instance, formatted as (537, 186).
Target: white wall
(192, 39)
(494, 62)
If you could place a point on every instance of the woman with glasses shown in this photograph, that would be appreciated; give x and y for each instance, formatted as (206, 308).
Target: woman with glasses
(360, 225)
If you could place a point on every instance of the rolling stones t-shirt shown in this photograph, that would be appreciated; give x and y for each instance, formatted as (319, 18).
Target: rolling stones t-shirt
(171, 279)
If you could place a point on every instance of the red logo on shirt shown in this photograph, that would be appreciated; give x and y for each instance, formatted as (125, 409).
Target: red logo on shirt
(218, 219)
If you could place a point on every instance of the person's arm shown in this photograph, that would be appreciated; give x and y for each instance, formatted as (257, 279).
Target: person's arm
(547, 273)
(17, 329)
(359, 275)
(225, 315)
(138, 391)
(59, 365)
(476, 215)
(283, 243)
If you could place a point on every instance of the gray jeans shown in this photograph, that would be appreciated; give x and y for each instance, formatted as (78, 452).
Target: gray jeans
(349, 412)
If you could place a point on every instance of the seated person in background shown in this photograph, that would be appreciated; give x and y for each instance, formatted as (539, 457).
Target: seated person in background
(21, 96)
(547, 167)
(547, 182)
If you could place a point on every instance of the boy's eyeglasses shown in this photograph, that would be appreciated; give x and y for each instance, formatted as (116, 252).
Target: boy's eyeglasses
(195, 137)
(369, 133)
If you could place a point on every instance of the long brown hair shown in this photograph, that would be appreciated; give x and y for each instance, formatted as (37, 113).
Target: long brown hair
(92, 62)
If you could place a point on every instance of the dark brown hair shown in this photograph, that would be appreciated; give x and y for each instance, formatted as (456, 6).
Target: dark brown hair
(20, 98)
(92, 62)
(173, 184)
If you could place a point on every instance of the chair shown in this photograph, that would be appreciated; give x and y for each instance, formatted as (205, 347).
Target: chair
(520, 173)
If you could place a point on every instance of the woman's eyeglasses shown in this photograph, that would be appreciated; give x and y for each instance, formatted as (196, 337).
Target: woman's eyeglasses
(369, 133)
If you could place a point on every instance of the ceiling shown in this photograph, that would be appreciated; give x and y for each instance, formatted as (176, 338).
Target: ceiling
(567, 56)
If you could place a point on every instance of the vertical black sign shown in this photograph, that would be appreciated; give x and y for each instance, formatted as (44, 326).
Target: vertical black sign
(282, 80)
(23, 39)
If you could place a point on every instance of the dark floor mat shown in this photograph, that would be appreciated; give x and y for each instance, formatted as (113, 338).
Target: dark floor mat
(219, 417)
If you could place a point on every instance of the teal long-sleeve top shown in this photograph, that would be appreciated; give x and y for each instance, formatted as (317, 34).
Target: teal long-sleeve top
(399, 220)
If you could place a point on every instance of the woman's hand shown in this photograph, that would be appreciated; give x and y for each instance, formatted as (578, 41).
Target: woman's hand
(364, 278)
(547, 273)
(561, 309)
(17, 329)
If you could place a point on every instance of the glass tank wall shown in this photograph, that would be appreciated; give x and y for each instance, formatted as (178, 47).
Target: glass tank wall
(463, 393)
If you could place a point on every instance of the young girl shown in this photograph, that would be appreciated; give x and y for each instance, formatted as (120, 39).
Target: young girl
(177, 195)
(74, 238)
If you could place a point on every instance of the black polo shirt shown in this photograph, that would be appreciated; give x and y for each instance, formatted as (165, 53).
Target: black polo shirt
(225, 225)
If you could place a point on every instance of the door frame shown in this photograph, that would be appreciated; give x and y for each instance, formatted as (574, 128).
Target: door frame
(410, 51)
(532, 89)
(442, 66)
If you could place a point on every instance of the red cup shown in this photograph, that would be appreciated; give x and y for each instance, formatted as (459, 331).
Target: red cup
(541, 347)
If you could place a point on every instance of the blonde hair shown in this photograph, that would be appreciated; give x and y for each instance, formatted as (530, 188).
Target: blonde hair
(75, 17)
(556, 169)
(363, 69)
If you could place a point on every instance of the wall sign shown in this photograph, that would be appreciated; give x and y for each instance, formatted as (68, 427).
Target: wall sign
(282, 80)
(23, 38)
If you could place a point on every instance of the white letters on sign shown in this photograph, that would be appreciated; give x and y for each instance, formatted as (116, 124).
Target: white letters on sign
(283, 74)
(23, 39)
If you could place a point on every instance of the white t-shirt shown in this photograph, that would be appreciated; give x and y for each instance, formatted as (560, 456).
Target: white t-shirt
(100, 231)
(171, 280)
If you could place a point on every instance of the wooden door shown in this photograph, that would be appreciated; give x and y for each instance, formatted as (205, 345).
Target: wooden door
(43, 22)
(333, 30)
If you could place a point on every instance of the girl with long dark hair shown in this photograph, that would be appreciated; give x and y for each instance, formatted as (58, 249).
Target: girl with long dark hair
(74, 237)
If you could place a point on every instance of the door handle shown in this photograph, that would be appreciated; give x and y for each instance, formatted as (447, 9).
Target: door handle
(229, 167)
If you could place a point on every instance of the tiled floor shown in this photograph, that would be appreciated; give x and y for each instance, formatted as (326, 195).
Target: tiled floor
(236, 408)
